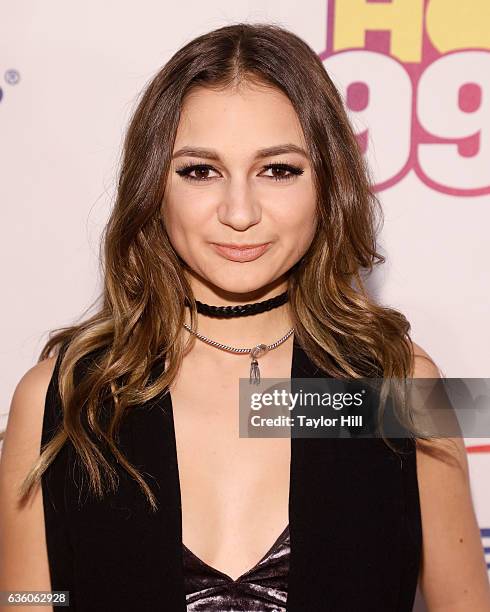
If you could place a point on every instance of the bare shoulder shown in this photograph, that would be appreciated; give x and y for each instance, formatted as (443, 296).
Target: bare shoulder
(26, 414)
(451, 536)
(36, 379)
(23, 556)
(424, 364)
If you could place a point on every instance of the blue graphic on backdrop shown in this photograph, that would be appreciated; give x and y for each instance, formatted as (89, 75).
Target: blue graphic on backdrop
(485, 535)
(11, 77)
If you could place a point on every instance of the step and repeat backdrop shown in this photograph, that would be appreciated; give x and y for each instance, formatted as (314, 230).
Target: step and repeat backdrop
(415, 77)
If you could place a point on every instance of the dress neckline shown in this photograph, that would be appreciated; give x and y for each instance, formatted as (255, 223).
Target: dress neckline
(227, 577)
(298, 369)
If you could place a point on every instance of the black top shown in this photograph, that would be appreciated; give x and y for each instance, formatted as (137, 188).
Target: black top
(354, 523)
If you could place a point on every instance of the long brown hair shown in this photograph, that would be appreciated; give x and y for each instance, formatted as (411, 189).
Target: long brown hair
(140, 317)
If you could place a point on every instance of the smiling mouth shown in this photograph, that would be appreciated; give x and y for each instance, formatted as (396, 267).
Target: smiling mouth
(241, 252)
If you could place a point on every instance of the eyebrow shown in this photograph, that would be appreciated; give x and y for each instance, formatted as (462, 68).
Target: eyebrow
(261, 153)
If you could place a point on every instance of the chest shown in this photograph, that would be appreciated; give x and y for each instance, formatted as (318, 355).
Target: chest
(234, 490)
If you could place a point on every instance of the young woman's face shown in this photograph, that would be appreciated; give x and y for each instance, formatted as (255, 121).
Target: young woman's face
(225, 188)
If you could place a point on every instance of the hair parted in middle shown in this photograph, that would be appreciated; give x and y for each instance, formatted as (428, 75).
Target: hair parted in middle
(142, 310)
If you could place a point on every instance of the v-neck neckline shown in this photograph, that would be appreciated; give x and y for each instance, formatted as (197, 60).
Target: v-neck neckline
(297, 369)
(245, 574)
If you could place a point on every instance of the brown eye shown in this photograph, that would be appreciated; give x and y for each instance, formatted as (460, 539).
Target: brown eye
(280, 172)
(201, 172)
(283, 172)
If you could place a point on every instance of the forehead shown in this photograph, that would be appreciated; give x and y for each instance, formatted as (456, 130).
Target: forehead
(251, 116)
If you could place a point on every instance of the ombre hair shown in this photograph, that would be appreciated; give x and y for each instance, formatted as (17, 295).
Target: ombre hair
(142, 307)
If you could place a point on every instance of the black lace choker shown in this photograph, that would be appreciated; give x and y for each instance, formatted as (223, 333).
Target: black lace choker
(241, 310)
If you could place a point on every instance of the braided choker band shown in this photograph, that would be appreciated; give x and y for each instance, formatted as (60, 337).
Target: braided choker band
(241, 310)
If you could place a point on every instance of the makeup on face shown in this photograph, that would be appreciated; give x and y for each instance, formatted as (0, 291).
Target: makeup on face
(241, 253)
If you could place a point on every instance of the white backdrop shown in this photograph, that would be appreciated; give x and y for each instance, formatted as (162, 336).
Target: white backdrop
(415, 75)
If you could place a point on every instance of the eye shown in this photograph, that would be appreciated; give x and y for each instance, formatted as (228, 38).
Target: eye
(200, 169)
(280, 168)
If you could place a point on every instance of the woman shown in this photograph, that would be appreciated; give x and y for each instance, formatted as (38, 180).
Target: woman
(241, 185)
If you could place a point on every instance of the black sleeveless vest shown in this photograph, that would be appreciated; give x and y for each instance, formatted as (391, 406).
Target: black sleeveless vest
(354, 520)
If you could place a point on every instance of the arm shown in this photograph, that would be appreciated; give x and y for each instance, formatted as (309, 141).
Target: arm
(453, 575)
(23, 553)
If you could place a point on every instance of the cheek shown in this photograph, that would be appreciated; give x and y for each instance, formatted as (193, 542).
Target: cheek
(186, 207)
(175, 221)
(296, 218)
(185, 220)
(180, 213)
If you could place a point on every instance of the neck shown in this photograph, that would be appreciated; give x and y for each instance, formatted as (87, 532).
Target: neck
(265, 327)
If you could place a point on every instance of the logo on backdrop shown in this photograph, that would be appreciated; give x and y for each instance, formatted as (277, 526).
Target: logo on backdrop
(485, 535)
(10, 77)
(484, 531)
(417, 72)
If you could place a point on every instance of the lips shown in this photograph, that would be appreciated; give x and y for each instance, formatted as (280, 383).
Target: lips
(241, 253)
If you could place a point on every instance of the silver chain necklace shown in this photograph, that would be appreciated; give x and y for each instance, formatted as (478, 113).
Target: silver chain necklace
(254, 352)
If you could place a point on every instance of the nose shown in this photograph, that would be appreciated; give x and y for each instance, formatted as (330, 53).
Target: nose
(239, 207)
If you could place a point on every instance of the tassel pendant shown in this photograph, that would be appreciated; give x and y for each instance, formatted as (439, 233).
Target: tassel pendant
(254, 378)
(257, 351)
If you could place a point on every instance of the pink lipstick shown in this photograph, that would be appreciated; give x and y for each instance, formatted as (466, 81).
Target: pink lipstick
(246, 252)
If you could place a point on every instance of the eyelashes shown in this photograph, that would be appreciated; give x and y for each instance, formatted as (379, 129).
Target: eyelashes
(186, 170)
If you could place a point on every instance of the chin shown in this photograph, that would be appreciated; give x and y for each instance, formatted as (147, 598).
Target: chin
(245, 282)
